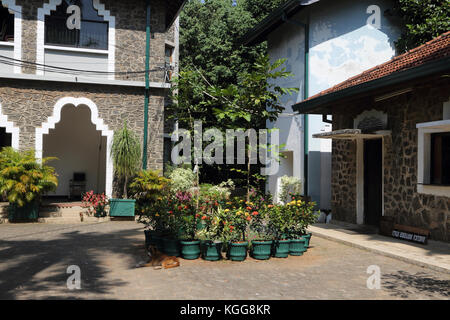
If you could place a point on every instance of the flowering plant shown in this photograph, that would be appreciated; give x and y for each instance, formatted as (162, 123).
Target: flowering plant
(96, 203)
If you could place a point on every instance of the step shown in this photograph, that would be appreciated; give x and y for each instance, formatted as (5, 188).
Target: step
(74, 219)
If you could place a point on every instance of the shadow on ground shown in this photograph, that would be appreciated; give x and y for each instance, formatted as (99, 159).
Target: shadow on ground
(403, 284)
(37, 267)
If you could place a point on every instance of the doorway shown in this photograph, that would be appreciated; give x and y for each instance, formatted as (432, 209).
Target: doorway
(373, 184)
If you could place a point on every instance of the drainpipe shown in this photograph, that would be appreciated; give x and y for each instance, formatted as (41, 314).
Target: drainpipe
(147, 87)
(305, 96)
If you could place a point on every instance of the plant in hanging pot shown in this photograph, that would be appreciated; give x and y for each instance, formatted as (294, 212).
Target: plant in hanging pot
(126, 155)
(260, 234)
(24, 180)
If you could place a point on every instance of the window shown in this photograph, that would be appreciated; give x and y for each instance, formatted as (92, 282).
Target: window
(6, 25)
(440, 158)
(93, 31)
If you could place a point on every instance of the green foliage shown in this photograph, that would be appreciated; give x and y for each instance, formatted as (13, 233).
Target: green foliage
(289, 185)
(148, 185)
(126, 154)
(22, 178)
(422, 21)
(182, 179)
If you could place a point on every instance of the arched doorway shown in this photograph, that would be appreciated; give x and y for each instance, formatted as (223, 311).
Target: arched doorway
(80, 149)
(82, 143)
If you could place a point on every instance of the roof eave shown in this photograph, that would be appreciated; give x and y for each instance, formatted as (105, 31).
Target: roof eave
(272, 21)
(312, 106)
(172, 18)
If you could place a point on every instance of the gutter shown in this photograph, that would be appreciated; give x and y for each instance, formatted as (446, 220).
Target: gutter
(396, 78)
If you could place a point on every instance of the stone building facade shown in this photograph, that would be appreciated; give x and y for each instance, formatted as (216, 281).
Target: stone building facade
(32, 93)
(391, 141)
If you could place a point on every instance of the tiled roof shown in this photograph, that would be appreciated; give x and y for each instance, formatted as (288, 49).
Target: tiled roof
(436, 49)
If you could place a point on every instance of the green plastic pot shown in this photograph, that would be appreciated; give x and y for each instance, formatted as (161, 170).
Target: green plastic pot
(30, 211)
(190, 250)
(281, 248)
(171, 247)
(237, 251)
(261, 249)
(121, 207)
(211, 251)
(297, 246)
(308, 239)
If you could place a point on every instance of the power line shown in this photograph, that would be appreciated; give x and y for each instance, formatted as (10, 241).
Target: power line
(49, 68)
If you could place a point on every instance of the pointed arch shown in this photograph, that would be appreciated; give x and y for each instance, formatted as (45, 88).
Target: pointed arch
(95, 119)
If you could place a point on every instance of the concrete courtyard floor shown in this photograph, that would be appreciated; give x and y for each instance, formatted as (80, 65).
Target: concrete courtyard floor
(34, 260)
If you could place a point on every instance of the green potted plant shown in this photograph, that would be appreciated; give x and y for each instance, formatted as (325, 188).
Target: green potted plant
(302, 216)
(279, 223)
(126, 155)
(23, 180)
(150, 190)
(186, 217)
(262, 238)
(234, 223)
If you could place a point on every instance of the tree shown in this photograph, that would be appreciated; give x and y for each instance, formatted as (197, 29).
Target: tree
(422, 21)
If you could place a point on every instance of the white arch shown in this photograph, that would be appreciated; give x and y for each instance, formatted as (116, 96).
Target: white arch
(17, 11)
(96, 120)
(10, 128)
(51, 6)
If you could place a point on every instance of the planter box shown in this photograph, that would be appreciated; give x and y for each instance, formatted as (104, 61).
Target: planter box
(297, 247)
(121, 207)
(29, 211)
(237, 251)
(211, 251)
(190, 250)
(281, 248)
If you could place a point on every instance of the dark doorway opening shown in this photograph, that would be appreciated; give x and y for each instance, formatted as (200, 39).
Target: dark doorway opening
(5, 138)
(373, 166)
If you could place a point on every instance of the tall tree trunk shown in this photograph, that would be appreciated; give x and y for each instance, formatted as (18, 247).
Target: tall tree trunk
(125, 193)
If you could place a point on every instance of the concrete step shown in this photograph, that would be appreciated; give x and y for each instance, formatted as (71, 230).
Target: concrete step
(74, 219)
(48, 212)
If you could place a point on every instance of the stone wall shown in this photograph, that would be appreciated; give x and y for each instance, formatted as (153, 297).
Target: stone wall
(28, 104)
(401, 199)
(130, 17)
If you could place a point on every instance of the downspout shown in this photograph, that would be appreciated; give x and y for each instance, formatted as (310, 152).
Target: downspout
(305, 96)
(147, 86)
(306, 117)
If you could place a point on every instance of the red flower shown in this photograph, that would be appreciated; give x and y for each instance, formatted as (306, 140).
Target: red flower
(249, 208)
(204, 217)
(249, 218)
(179, 207)
(186, 207)
(255, 213)
(231, 228)
(170, 211)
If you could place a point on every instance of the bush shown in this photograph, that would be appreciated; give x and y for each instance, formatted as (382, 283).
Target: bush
(182, 179)
(22, 178)
(289, 185)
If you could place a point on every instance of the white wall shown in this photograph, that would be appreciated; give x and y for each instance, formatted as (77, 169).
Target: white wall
(79, 148)
(342, 44)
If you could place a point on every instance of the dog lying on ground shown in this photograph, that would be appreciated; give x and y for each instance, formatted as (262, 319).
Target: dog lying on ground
(159, 260)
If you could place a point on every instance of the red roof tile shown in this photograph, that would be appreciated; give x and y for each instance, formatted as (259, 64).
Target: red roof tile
(435, 49)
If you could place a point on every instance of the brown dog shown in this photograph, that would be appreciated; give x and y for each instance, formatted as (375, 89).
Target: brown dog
(159, 260)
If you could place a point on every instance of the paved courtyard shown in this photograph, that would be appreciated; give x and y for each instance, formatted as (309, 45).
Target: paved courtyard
(34, 259)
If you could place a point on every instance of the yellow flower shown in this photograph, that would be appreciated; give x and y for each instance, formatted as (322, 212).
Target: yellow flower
(157, 214)
(226, 210)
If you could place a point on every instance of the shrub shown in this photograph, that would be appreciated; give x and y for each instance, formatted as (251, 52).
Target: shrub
(96, 203)
(289, 185)
(181, 179)
(22, 178)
